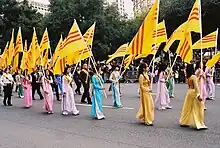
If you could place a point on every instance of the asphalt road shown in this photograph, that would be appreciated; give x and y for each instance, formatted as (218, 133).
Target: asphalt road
(32, 128)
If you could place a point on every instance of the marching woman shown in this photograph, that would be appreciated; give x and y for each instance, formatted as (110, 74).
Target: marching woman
(210, 86)
(19, 85)
(26, 83)
(68, 101)
(97, 95)
(193, 108)
(162, 99)
(48, 92)
(201, 81)
(114, 78)
(146, 110)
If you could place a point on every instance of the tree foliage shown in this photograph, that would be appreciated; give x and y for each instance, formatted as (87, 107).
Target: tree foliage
(13, 15)
(112, 29)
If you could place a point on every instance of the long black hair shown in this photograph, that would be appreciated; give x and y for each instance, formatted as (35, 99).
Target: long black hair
(141, 69)
(65, 70)
(162, 67)
(190, 70)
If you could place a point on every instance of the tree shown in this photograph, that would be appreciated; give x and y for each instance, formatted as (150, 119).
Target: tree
(13, 15)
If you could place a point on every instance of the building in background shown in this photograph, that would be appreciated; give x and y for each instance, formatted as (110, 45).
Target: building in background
(125, 7)
(142, 5)
(42, 6)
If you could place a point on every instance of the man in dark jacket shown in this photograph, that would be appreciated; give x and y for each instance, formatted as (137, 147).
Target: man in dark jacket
(85, 79)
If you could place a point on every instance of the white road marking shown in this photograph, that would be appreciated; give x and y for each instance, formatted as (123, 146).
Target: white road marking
(105, 106)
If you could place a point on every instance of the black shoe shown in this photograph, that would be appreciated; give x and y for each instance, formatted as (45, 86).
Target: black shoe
(41, 98)
(90, 103)
(34, 99)
(83, 102)
(10, 105)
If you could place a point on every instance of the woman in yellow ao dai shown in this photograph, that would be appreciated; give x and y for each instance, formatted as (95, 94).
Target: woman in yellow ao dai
(146, 110)
(193, 108)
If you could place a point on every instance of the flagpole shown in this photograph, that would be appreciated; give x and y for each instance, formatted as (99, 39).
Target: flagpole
(200, 18)
(216, 47)
(91, 54)
(155, 42)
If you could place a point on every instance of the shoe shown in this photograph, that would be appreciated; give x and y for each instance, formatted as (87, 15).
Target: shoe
(90, 103)
(161, 108)
(169, 107)
(10, 105)
(147, 124)
(76, 114)
(34, 99)
(83, 102)
(22, 97)
(64, 113)
(41, 98)
(50, 112)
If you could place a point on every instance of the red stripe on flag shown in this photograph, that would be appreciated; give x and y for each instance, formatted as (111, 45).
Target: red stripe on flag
(194, 18)
(71, 33)
(194, 13)
(159, 32)
(142, 38)
(137, 43)
(159, 35)
(162, 29)
(186, 52)
(72, 41)
(209, 41)
(211, 38)
(183, 47)
(72, 37)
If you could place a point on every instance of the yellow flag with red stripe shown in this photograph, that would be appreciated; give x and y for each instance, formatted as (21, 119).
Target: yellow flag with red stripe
(207, 41)
(185, 48)
(213, 61)
(120, 52)
(37, 57)
(160, 34)
(194, 19)
(128, 61)
(178, 34)
(45, 42)
(18, 49)
(73, 42)
(11, 50)
(55, 54)
(89, 35)
(24, 61)
(5, 56)
(143, 40)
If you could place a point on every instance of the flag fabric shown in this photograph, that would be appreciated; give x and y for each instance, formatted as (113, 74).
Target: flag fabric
(31, 59)
(213, 61)
(178, 34)
(59, 66)
(11, 50)
(5, 56)
(185, 48)
(207, 41)
(89, 35)
(37, 57)
(128, 61)
(18, 49)
(153, 52)
(120, 52)
(83, 53)
(55, 55)
(160, 34)
(24, 61)
(73, 42)
(143, 40)
(194, 19)
(45, 42)
(45, 59)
